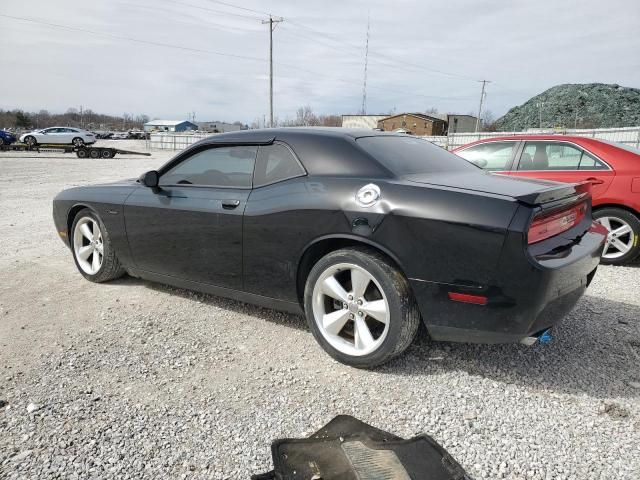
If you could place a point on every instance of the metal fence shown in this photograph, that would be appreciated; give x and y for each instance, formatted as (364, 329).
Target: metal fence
(174, 141)
(628, 136)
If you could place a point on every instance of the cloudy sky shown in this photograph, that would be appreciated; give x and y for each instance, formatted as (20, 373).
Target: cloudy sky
(167, 58)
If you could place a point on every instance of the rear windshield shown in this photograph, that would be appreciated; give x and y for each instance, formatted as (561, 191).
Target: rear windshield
(623, 146)
(405, 155)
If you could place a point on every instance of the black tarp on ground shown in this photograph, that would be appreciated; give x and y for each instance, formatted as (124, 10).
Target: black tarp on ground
(348, 449)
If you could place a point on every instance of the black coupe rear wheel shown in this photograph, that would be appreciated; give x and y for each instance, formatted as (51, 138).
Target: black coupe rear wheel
(360, 308)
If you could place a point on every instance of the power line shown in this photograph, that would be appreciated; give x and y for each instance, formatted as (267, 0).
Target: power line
(297, 68)
(212, 10)
(131, 39)
(342, 44)
(239, 8)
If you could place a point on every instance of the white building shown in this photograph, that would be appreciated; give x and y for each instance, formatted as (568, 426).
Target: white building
(361, 121)
(169, 126)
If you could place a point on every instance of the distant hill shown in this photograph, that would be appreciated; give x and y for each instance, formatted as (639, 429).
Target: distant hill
(581, 105)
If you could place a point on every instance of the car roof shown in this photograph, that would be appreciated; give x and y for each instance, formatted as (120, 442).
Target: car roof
(268, 135)
(322, 150)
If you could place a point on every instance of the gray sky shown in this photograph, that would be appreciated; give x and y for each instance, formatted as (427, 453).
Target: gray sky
(523, 47)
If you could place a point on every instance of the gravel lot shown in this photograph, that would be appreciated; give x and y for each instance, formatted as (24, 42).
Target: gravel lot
(136, 380)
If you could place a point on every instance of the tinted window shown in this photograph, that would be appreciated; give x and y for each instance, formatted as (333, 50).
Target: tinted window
(549, 156)
(589, 162)
(404, 155)
(221, 167)
(274, 164)
(490, 156)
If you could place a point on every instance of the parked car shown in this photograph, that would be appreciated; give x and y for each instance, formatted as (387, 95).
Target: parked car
(59, 136)
(612, 169)
(7, 138)
(103, 135)
(365, 232)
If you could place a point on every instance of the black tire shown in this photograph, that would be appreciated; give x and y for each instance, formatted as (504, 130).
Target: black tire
(404, 316)
(78, 142)
(82, 153)
(94, 153)
(633, 237)
(106, 153)
(31, 141)
(111, 267)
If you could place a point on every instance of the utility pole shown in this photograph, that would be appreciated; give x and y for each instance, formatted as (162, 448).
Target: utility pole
(482, 94)
(366, 62)
(540, 105)
(273, 23)
(81, 123)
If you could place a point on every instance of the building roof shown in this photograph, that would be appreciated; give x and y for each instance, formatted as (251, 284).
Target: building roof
(167, 123)
(417, 115)
(365, 115)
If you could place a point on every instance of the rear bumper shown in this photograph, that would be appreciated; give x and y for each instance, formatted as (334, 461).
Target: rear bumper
(527, 295)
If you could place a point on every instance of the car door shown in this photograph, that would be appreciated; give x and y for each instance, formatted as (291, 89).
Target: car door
(68, 134)
(276, 204)
(494, 156)
(48, 135)
(563, 162)
(190, 227)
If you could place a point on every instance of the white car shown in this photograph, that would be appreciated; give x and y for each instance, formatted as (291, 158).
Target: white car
(59, 135)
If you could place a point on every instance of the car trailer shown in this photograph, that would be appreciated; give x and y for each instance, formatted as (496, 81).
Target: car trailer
(83, 151)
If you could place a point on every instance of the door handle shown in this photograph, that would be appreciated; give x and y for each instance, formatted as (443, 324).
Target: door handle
(230, 204)
(595, 181)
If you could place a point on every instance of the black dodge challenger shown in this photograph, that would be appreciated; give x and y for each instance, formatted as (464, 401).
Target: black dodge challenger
(367, 233)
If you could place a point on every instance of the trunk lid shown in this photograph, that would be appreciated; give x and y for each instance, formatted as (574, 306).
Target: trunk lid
(529, 191)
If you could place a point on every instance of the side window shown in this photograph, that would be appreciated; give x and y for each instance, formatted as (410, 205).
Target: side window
(494, 156)
(275, 163)
(589, 162)
(217, 167)
(549, 156)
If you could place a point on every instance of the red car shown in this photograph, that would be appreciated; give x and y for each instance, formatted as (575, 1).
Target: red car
(613, 170)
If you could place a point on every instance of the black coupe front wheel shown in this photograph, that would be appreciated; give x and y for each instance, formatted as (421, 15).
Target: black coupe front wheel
(92, 250)
(360, 308)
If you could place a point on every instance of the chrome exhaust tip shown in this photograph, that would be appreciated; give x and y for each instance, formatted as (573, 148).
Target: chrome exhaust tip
(543, 337)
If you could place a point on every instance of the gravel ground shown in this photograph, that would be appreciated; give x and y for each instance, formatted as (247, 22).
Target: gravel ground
(136, 380)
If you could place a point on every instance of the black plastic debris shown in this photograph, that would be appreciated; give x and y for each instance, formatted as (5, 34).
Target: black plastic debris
(348, 449)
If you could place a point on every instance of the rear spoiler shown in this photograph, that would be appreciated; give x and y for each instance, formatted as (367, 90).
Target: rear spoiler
(555, 193)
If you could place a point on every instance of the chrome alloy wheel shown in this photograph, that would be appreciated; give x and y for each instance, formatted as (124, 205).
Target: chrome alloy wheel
(620, 239)
(350, 309)
(87, 245)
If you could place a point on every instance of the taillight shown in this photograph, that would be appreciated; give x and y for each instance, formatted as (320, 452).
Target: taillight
(546, 226)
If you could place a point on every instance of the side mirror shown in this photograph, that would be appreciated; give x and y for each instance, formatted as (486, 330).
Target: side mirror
(150, 179)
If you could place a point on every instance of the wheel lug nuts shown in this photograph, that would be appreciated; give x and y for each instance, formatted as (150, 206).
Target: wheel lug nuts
(359, 302)
(351, 315)
(344, 305)
(360, 314)
(350, 297)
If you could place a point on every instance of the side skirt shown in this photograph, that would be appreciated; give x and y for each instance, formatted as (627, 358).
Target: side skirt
(252, 298)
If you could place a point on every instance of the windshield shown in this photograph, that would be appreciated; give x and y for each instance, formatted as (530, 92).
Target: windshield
(405, 155)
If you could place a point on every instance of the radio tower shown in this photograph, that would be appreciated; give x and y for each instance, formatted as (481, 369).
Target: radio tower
(366, 61)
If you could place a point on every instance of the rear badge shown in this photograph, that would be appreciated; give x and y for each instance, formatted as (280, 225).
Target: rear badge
(368, 195)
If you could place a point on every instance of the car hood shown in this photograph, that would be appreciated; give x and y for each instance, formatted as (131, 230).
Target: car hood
(530, 191)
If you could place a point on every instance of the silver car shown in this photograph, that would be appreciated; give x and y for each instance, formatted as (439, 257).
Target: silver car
(60, 136)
